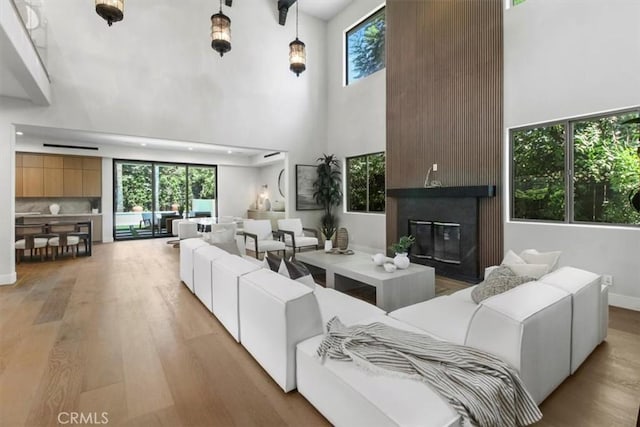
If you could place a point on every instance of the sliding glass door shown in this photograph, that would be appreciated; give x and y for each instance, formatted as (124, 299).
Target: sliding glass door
(148, 196)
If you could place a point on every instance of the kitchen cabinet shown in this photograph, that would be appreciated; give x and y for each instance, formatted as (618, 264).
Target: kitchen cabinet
(53, 182)
(32, 182)
(91, 183)
(72, 183)
(51, 175)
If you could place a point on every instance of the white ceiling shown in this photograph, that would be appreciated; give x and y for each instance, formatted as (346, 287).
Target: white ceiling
(85, 138)
(323, 9)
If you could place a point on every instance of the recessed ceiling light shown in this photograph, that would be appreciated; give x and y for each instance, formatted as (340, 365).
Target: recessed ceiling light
(229, 152)
(144, 144)
(19, 133)
(190, 148)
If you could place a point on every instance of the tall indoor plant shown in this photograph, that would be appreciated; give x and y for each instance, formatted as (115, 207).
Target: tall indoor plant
(328, 192)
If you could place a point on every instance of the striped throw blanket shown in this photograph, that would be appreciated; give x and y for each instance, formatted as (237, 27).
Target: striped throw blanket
(483, 389)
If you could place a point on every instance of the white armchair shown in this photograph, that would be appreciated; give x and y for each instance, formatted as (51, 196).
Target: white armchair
(294, 234)
(258, 237)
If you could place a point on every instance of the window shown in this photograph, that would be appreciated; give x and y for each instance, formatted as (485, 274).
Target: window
(584, 170)
(365, 46)
(365, 183)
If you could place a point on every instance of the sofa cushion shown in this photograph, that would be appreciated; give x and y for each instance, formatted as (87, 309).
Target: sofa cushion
(443, 317)
(350, 310)
(297, 271)
(500, 280)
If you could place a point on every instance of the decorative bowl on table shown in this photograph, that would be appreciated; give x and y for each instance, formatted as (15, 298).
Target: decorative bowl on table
(389, 268)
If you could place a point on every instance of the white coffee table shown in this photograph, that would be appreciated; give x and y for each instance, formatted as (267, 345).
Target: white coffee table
(393, 290)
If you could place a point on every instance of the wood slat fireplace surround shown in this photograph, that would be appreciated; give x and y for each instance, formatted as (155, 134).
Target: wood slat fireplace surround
(452, 205)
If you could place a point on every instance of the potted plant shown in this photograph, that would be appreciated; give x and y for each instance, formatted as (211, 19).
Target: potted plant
(328, 192)
(401, 249)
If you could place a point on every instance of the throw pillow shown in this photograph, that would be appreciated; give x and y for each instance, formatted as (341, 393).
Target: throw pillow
(231, 247)
(500, 280)
(511, 258)
(297, 271)
(272, 262)
(532, 256)
(533, 270)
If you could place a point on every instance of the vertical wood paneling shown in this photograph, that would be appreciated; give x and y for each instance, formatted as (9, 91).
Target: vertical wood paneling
(445, 104)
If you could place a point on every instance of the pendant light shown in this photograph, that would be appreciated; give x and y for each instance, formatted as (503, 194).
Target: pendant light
(297, 54)
(110, 10)
(220, 32)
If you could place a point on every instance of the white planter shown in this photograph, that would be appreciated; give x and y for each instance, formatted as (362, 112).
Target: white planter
(401, 261)
(54, 209)
(328, 245)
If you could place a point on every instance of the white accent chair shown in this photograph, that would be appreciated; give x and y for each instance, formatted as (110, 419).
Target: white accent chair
(259, 237)
(294, 234)
(187, 247)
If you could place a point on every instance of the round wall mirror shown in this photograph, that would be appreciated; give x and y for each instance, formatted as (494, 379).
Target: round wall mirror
(281, 182)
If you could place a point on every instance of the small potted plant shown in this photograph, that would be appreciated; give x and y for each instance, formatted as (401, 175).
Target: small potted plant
(401, 249)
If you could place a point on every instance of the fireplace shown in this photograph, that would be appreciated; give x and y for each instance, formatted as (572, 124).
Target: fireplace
(438, 241)
(444, 221)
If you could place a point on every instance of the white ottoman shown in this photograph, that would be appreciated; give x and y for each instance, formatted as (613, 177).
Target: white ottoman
(225, 276)
(276, 313)
(187, 247)
(202, 279)
(586, 318)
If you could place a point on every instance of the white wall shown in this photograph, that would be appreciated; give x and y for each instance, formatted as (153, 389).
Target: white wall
(356, 120)
(571, 58)
(236, 190)
(269, 175)
(154, 74)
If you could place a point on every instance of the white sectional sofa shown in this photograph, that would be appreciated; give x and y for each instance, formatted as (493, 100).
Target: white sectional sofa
(544, 329)
(187, 246)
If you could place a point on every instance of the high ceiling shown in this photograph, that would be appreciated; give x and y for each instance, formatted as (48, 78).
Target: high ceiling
(323, 9)
(85, 138)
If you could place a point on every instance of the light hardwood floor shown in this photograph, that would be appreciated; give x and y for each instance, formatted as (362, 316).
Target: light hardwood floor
(119, 333)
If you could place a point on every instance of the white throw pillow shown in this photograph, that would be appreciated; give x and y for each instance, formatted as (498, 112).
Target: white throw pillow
(511, 258)
(531, 270)
(532, 256)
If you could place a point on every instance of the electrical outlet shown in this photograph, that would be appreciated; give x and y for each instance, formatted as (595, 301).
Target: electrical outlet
(435, 167)
(607, 280)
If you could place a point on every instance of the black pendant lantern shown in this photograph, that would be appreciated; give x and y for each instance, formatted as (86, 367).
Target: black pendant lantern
(110, 10)
(220, 32)
(297, 53)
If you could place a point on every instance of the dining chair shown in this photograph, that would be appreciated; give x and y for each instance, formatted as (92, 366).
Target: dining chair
(64, 238)
(31, 237)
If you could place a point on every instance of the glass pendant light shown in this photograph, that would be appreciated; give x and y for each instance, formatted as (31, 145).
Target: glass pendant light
(110, 10)
(297, 53)
(220, 32)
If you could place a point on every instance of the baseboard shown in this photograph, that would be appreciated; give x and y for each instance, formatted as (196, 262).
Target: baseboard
(8, 279)
(624, 301)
